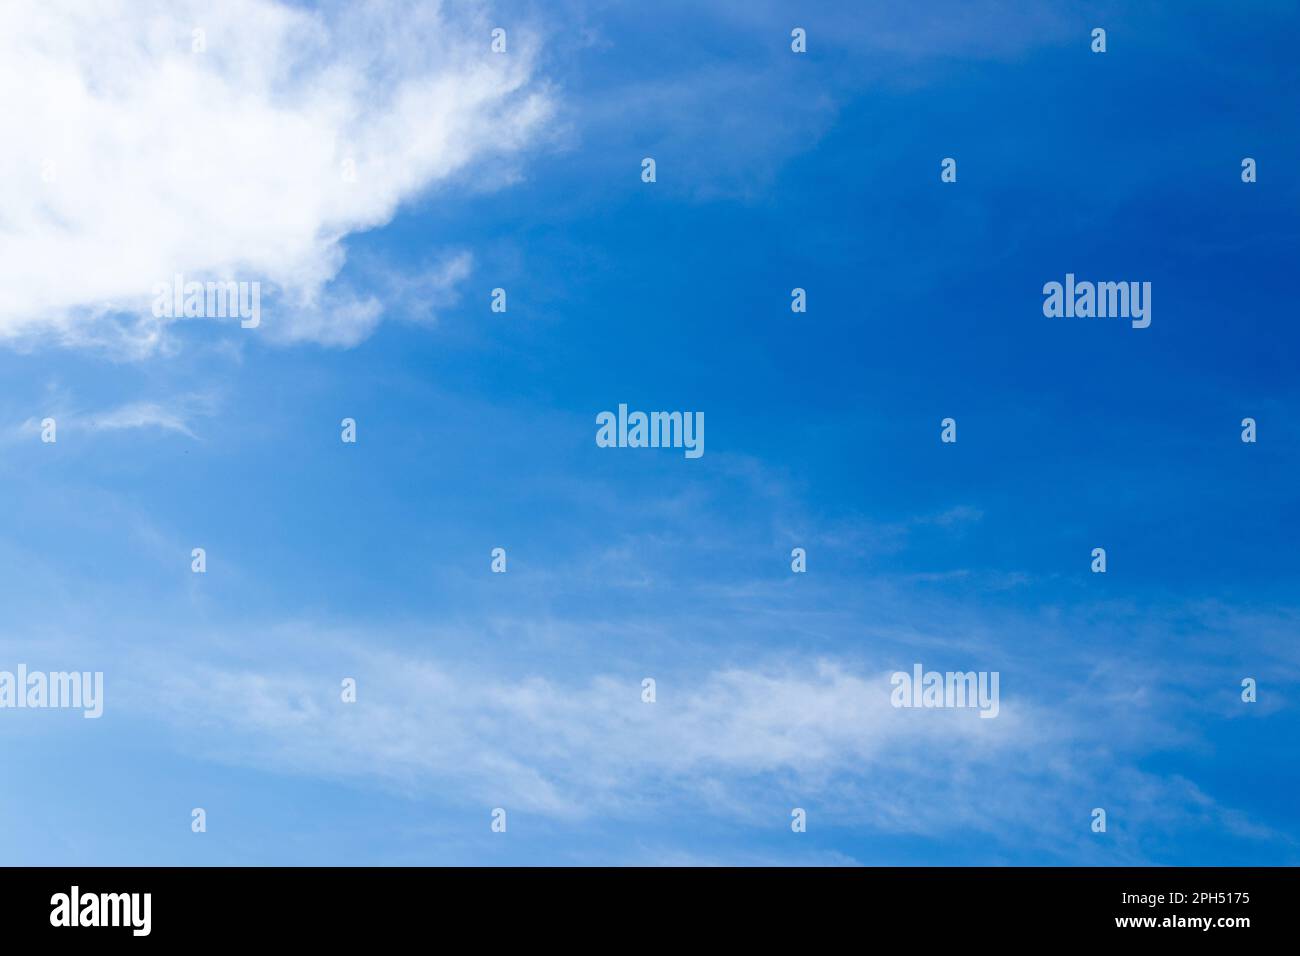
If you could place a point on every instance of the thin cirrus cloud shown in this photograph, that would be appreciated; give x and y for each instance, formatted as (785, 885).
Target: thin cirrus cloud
(732, 742)
(140, 415)
(176, 415)
(568, 749)
(143, 159)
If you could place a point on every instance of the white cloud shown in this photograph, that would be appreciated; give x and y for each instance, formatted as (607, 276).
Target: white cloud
(140, 415)
(571, 750)
(228, 164)
(737, 743)
(176, 414)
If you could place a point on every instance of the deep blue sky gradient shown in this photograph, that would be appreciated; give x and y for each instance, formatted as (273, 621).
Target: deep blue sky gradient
(822, 431)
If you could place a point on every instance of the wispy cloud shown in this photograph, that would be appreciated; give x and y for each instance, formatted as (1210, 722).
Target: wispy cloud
(139, 415)
(571, 749)
(728, 740)
(176, 414)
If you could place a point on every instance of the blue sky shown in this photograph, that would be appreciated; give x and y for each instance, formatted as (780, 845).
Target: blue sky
(476, 430)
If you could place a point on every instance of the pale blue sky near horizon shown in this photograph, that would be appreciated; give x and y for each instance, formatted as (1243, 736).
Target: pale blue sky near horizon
(477, 429)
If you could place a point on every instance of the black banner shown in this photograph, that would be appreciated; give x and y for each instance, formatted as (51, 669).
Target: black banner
(334, 905)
